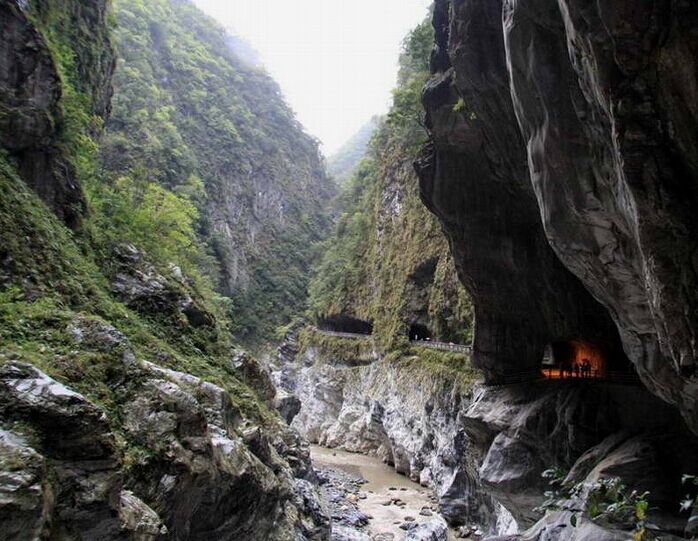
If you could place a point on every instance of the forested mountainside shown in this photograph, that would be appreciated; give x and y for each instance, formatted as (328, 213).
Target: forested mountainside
(387, 261)
(341, 164)
(193, 119)
(126, 411)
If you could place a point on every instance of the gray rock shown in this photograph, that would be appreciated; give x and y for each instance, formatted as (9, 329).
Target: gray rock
(381, 410)
(347, 533)
(74, 460)
(138, 519)
(254, 375)
(577, 141)
(287, 405)
(23, 499)
(140, 286)
(197, 472)
(433, 530)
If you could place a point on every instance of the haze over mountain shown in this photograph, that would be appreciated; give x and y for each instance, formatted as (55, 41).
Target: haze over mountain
(336, 67)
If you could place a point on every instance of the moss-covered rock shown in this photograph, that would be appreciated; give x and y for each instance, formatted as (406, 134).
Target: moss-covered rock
(388, 261)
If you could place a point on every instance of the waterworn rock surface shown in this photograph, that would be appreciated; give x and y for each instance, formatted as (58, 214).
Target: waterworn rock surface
(594, 431)
(568, 176)
(407, 417)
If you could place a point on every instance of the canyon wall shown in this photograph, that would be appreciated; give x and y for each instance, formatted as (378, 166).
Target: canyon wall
(194, 118)
(401, 409)
(387, 262)
(563, 170)
(126, 412)
(483, 448)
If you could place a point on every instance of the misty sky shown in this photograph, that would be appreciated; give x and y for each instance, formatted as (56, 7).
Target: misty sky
(335, 60)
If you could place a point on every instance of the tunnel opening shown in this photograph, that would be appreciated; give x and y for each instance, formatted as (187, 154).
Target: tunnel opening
(579, 358)
(418, 332)
(345, 324)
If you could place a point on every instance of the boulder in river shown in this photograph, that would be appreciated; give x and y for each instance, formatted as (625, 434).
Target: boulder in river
(433, 530)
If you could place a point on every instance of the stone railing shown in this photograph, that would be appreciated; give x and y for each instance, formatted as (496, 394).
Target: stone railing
(339, 334)
(547, 374)
(444, 346)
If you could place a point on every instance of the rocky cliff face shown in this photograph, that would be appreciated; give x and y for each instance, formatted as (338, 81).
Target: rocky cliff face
(563, 169)
(484, 448)
(125, 410)
(207, 469)
(590, 431)
(36, 86)
(388, 263)
(406, 413)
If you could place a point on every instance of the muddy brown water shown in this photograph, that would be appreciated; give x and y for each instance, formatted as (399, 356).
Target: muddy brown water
(381, 478)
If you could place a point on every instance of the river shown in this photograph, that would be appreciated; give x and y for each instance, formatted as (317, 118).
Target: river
(384, 486)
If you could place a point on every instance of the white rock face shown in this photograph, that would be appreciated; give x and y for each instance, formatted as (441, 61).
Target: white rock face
(406, 415)
(483, 448)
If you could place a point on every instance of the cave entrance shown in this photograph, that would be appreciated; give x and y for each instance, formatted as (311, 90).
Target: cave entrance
(419, 332)
(343, 323)
(574, 359)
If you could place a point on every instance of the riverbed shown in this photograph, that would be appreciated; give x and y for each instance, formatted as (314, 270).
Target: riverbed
(388, 498)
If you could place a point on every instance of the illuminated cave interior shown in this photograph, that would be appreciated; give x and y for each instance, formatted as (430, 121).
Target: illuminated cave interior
(575, 358)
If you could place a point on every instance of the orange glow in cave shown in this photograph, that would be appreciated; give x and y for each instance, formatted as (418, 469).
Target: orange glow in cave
(577, 359)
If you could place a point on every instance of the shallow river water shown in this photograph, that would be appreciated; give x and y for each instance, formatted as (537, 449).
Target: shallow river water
(384, 484)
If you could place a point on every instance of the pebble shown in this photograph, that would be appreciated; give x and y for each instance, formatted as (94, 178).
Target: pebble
(407, 526)
(426, 512)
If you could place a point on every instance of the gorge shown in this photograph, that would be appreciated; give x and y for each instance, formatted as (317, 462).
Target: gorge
(496, 296)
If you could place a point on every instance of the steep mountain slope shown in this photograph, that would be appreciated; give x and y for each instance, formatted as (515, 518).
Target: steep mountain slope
(191, 116)
(388, 262)
(342, 163)
(126, 412)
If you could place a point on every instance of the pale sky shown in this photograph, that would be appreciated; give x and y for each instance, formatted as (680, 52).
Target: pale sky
(336, 60)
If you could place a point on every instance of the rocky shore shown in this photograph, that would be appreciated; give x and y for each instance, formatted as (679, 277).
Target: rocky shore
(367, 509)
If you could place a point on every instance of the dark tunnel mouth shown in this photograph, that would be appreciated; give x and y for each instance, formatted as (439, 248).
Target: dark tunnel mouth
(345, 323)
(418, 332)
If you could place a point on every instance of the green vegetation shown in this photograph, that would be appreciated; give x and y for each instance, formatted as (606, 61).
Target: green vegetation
(605, 501)
(207, 166)
(50, 284)
(438, 364)
(349, 351)
(343, 163)
(388, 260)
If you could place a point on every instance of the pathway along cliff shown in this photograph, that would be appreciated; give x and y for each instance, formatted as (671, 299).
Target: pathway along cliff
(550, 219)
